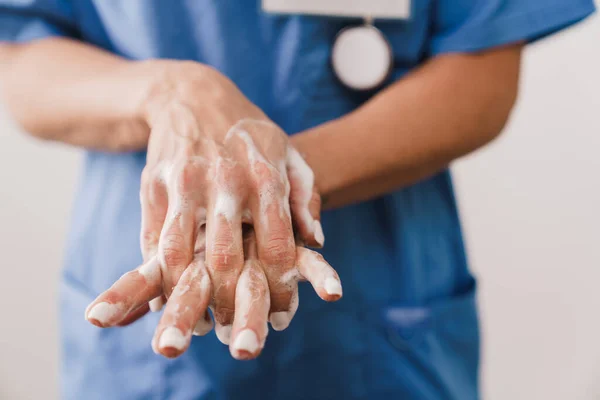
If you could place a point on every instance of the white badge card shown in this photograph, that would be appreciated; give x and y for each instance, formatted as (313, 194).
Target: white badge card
(378, 9)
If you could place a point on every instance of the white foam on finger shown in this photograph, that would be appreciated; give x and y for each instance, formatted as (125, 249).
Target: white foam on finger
(247, 341)
(223, 333)
(203, 326)
(300, 172)
(333, 287)
(319, 235)
(173, 338)
(281, 320)
(156, 304)
(243, 295)
(150, 269)
(313, 267)
(225, 205)
(102, 312)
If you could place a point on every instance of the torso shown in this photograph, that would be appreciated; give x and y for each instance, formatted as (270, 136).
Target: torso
(402, 253)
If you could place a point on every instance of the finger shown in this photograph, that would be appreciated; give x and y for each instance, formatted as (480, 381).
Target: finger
(178, 236)
(131, 291)
(276, 252)
(154, 203)
(252, 304)
(313, 267)
(186, 306)
(305, 201)
(280, 320)
(275, 239)
(222, 329)
(224, 256)
(135, 315)
(251, 313)
(204, 325)
(157, 303)
(271, 213)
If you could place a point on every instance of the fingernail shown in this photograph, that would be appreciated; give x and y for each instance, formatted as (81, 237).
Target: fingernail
(280, 320)
(102, 312)
(203, 326)
(156, 304)
(319, 236)
(333, 287)
(223, 333)
(173, 338)
(247, 341)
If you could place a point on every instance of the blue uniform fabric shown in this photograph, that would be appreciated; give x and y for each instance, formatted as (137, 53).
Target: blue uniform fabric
(407, 325)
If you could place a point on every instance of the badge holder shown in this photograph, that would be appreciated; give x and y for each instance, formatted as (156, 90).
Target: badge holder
(361, 56)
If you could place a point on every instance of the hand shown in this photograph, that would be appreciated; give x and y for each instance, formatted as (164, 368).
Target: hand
(215, 161)
(186, 309)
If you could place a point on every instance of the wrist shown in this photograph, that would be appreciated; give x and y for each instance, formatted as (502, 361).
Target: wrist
(170, 84)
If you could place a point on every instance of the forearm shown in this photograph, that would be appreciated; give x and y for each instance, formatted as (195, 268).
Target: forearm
(447, 108)
(63, 90)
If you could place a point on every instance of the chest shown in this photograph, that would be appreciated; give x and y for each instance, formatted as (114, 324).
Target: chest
(280, 61)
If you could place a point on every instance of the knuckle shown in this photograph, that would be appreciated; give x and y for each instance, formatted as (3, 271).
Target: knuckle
(269, 178)
(187, 177)
(149, 238)
(223, 256)
(272, 191)
(173, 253)
(225, 168)
(279, 250)
(228, 173)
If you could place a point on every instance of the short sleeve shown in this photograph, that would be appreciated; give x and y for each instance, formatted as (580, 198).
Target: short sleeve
(472, 25)
(26, 20)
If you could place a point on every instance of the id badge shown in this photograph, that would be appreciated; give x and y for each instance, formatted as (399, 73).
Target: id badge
(375, 9)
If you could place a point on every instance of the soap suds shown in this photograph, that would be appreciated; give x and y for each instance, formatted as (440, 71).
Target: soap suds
(172, 337)
(225, 205)
(290, 278)
(254, 155)
(103, 312)
(319, 236)
(150, 269)
(313, 267)
(247, 341)
(156, 304)
(282, 319)
(223, 333)
(333, 287)
(301, 172)
(203, 326)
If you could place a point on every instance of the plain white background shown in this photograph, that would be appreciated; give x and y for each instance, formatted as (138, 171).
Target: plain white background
(530, 205)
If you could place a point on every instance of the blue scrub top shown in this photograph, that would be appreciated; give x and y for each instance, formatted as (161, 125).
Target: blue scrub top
(407, 325)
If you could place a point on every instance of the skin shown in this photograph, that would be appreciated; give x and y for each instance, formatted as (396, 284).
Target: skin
(187, 307)
(216, 161)
(448, 107)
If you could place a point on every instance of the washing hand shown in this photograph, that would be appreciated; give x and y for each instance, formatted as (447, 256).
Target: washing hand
(215, 163)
